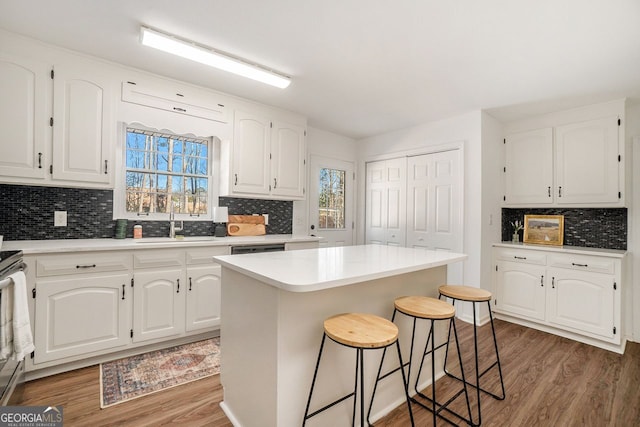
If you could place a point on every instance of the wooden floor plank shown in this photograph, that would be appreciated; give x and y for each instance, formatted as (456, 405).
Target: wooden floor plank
(550, 381)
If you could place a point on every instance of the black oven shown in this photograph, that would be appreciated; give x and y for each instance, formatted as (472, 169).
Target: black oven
(11, 371)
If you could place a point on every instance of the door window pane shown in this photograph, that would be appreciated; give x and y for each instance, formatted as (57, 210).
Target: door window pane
(331, 201)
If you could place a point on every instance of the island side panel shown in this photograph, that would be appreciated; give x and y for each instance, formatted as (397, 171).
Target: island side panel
(248, 343)
(300, 329)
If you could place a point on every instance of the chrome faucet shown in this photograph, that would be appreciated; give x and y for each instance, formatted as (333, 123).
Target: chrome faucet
(172, 226)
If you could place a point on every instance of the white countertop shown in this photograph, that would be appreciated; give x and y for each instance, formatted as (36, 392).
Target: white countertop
(324, 268)
(565, 249)
(30, 247)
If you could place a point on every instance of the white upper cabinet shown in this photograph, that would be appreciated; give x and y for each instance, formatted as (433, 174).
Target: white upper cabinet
(251, 148)
(24, 115)
(588, 161)
(578, 164)
(529, 167)
(83, 124)
(267, 158)
(288, 162)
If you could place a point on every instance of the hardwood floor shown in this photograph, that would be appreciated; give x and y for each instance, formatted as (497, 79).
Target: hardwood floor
(550, 381)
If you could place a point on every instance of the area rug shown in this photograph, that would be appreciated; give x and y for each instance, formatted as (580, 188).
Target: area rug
(132, 377)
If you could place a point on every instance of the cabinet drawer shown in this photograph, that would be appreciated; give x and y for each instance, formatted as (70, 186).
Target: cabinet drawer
(160, 258)
(584, 263)
(80, 263)
(521, 255)
(205, 256)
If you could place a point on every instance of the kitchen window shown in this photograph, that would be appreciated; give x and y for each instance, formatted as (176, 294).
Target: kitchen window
(167, 173)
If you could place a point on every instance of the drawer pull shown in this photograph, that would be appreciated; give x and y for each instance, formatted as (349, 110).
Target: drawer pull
(579, 265)
(86, 266)
(520, 257)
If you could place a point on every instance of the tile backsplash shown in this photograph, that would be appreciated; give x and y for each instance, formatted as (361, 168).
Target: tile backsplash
(591, 228)
(26, 213)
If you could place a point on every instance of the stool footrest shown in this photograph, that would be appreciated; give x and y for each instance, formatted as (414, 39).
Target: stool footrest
(334, 403)
(495, 396)
(442, 407)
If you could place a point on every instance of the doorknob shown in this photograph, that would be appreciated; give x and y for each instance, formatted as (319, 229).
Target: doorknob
(313, 227)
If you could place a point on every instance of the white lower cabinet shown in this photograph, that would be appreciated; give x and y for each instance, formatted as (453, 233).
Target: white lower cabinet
(80, 315)
(158, 304)
(567, 293)
(203, 297)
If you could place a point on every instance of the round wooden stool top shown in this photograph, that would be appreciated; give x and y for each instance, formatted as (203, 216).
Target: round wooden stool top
(425, 307)
(465, 293)
(361, 330)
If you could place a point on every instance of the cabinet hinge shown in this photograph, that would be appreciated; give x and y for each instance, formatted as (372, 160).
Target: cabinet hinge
(269, 187)
(270, 156)
(504, 141)
(304, 162)
(51, 169)
(614, 330)
(305, 133)
(504, 198)
(615, 286)
(504, 169)
(33, 354)
(496, 268)
(495, 302)
(132, 282)
(619, 158)
(132, 83)
(271, 125)
(33, 293)
(52, 73)
(619, 195)
(131, 333)
(618, 122)
(353, 225)
(51, 121)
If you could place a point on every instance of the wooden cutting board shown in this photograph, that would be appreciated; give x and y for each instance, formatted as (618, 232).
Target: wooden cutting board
(246, 225)
(246, 219)
(240, 229)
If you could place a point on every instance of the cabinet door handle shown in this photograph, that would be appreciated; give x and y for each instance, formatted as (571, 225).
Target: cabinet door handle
(553, 282)
(560, 191)
(86, 266)
(236, 181)
(182, 110)
(275, 183)
(579, 265)
(106, 167)
(122, 291)
(549, 191)
(519, 257)
(189, 283)
(178, 282)
(542, 281)
(39, 160)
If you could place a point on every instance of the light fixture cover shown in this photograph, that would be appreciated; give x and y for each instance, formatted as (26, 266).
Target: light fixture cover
(211, 57)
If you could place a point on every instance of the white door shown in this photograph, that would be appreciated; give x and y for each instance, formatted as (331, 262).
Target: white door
(385, 211)
(203, 297)
(520, 289)
(434, 206)
(331, 199)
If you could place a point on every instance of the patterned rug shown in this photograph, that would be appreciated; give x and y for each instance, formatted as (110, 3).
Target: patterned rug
(125, 379)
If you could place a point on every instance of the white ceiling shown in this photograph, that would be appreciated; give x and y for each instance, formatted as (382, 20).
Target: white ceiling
(364, 67)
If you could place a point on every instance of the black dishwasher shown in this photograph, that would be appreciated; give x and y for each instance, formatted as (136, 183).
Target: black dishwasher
(254, 249)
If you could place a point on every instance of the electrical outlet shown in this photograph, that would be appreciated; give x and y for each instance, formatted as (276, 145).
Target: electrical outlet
(60, 219)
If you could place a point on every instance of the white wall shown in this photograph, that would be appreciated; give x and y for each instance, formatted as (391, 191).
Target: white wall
(327, 144)
(633, 243)
(463, 130)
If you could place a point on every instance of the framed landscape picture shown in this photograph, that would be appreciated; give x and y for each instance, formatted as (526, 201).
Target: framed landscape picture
(544, 229)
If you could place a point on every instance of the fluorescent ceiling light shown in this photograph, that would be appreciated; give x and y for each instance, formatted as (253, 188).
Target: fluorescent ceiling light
(212, 58)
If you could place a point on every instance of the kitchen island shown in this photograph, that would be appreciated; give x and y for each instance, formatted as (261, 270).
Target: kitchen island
(273, 308)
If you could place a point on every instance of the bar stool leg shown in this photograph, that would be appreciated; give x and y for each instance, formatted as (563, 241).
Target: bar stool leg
(313, 382)
(495, 343)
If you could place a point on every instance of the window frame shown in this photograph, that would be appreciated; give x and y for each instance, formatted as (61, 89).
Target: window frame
(120, 190)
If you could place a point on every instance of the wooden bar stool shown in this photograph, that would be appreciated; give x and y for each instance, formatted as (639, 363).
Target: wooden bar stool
(474, 295)
(421, 307)
(362, 332)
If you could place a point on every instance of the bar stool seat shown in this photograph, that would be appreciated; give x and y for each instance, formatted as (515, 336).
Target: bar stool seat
(475, 295)
(363, 332)
(431, 309)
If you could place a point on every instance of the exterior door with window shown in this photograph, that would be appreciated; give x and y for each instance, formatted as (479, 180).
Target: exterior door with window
(331, 198)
